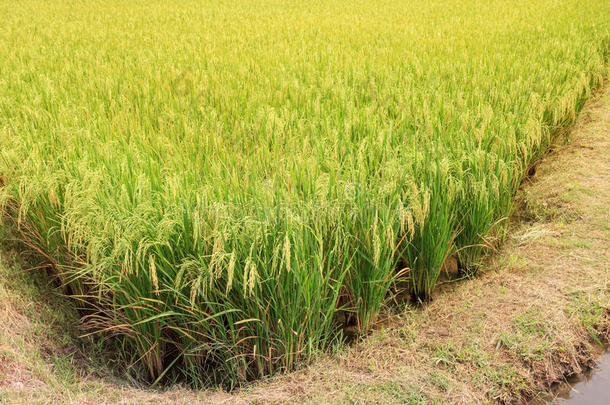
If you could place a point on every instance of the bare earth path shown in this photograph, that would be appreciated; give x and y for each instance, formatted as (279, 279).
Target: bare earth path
(533, 315)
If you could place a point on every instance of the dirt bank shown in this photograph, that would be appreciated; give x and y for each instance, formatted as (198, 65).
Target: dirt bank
(534, 314)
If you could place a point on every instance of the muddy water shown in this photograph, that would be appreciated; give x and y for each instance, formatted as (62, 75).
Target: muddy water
(590, 388)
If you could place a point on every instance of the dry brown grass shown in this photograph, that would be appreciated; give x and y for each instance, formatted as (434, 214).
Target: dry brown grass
(531, 317)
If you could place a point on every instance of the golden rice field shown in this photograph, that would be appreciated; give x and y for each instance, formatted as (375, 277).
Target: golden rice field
(225, 185)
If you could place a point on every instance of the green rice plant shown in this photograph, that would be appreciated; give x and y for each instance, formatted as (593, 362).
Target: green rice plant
(483, 203)
(371, 231)
(430, 222)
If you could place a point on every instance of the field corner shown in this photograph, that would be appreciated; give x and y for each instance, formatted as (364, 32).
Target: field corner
(538, 312)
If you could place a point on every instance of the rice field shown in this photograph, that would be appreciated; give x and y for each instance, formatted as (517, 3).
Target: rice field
(225, 186)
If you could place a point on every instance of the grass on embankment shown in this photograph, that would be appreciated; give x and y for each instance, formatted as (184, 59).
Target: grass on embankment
(534, 314)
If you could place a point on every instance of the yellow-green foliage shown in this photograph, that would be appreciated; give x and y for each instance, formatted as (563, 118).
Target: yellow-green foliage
(220, 179)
